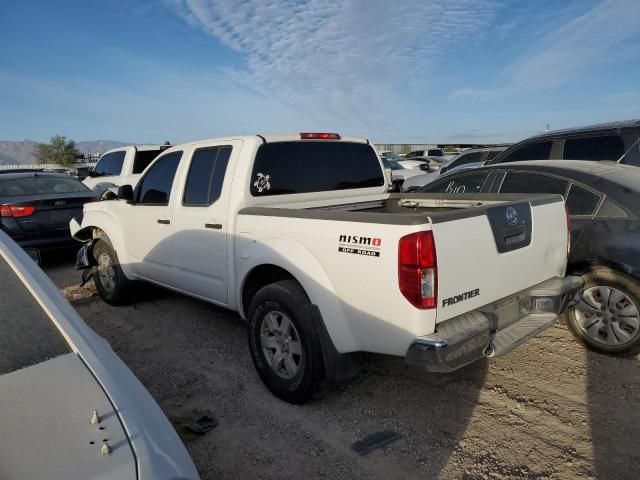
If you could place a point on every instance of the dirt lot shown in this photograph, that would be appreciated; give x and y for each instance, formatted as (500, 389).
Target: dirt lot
(551, 409)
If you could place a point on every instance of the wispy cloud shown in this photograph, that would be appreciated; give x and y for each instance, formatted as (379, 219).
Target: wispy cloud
(332, 59)
(608, 31)
(167, 103)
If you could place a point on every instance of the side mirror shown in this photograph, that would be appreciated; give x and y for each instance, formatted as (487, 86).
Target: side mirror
(125, 192)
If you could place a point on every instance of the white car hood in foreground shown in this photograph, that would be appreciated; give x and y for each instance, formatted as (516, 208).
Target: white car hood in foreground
(46, 425)
(159, 453)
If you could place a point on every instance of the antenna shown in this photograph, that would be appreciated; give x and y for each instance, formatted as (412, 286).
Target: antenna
(547, 126)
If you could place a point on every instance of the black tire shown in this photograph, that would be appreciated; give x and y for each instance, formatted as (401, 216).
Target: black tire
(277, 301)
(120, 290)
(625, 336)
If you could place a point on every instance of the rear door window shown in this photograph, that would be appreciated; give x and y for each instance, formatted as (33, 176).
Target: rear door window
(517, 182)
(605, 147)
(581, 201)
(155, 186)
(206, 175)
(27, 335)
(530, 151)
(471, 182)
(110, 164)
(301, 167)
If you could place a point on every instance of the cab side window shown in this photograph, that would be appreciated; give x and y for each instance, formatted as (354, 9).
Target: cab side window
(155, 187)
(464, 183)
(143, 159)
(206, 175)
(604, 147)
(530, 151)
(110, 164)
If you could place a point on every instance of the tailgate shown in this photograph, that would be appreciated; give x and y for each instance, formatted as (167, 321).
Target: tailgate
(508, 248)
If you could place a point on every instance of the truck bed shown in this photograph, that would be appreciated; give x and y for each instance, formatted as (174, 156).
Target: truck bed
(407, 208)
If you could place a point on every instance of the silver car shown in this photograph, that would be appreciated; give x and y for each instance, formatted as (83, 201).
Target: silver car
(69, 407)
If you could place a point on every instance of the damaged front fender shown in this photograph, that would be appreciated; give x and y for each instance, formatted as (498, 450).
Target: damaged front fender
(78, 232)
(84, 257)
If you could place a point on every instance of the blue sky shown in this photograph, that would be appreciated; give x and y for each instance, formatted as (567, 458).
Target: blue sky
(405, 71)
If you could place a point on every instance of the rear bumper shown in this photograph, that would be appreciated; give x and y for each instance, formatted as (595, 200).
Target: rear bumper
(39, 238)
(493, 330)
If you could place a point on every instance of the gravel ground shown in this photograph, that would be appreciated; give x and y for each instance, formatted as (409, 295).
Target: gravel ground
(550, 409)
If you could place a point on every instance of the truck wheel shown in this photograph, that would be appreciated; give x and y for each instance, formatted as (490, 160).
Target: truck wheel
(607, 318)
(112, 285)
(284, 341)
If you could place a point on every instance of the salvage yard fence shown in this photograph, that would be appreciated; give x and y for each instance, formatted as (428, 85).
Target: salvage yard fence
(36, 166)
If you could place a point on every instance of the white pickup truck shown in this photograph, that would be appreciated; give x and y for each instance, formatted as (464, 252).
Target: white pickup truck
(121, 166)
(299, 235)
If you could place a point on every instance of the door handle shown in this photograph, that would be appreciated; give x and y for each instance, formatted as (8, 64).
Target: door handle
(164, 222)
(215, 226)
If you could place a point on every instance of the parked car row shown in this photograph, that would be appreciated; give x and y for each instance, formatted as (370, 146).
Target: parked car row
(467, 159)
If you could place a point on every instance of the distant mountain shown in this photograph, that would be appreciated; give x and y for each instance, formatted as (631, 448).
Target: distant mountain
(17, 152)
(23, 153)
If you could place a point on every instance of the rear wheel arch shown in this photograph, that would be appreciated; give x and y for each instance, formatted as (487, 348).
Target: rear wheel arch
(259, 277)
(583, 268)
(336, 365)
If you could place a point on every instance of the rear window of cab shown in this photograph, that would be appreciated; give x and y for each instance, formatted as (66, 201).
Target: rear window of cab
(282, 168)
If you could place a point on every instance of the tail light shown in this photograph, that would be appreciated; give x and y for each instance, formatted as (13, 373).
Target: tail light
(16, 211)
(319, 136)
(418, 270)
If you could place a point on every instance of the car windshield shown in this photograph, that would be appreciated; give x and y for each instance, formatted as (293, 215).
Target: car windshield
(39, 185)
(392, 164)
(27, 335)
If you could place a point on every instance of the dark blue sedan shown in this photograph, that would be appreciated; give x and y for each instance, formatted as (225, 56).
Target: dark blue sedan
(35, 207)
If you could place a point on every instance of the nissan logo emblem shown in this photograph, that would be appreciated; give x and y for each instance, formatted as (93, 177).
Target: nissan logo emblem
(512, 215)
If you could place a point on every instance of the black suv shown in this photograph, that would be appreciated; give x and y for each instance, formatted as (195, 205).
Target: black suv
(608, 141)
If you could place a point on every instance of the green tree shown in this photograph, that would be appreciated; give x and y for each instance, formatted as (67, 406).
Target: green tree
(59, 150)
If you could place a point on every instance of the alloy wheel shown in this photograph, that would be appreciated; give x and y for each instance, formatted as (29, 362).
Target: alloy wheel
(280, 344)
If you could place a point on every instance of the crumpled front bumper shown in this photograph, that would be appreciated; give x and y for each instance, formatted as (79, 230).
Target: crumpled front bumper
(495, 329)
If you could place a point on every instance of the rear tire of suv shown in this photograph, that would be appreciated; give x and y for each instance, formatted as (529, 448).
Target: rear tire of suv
(112, 284)
(284, 341)
(607, 318)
